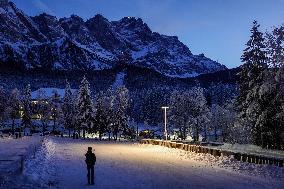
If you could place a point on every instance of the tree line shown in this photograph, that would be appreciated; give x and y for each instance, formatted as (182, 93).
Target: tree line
(78, 113)
(255, 114)
(260, 104)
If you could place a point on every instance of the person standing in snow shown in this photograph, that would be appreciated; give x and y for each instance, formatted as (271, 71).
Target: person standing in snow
(90, 161)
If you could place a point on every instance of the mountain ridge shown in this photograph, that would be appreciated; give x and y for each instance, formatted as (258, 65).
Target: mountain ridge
(49, 43)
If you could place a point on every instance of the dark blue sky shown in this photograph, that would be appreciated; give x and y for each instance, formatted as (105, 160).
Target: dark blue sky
(217, 28)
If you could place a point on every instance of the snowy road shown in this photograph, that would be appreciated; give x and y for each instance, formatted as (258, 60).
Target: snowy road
(126, 165)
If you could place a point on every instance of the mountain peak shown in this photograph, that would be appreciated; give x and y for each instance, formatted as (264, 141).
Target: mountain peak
(44, 41)
(98, 22)
(98, 19)
(133, 23)
(45, 16)
(73, 18)
(76, 17)
(49, 25)
(102, 30)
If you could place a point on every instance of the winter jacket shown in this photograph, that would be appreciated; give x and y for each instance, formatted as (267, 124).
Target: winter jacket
(90, 158)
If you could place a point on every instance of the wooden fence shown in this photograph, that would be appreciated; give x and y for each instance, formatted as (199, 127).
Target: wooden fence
(250, 158)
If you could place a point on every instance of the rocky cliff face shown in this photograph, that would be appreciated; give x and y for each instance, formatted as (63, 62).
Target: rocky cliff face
(71, 43)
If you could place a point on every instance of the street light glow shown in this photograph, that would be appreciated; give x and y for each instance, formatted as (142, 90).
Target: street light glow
(166, 132)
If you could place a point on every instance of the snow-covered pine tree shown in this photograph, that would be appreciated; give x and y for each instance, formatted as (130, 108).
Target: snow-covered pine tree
(271, 101)
(120, 106)
(68, 109)
(180, 112)
(275, 47)
(189, 112)
(84, 106)
(254, 62)
(3, 104)
(217, 119)
(14, 107)
(153, 100)
(55, 106)
(201, 112)
(26, 103)
(250, 77)
(254, 54)
(220, 93)
(270, 93)
(100, 124)
(222, 121)
(272, 90)
(180, 115)
(108, 104)
(43, 110)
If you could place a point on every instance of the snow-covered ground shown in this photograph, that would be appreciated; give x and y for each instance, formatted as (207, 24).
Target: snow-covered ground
(11, 152)
(251, 149)
(60, 164)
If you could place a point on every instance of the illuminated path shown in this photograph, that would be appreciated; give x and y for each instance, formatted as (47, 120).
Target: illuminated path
(125, 165)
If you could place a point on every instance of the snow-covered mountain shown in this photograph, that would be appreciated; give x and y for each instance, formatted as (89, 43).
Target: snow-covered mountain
(46, 42)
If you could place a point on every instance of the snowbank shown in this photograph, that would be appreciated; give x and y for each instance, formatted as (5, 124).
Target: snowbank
(13, 152)
(223, 162)
(251, 149)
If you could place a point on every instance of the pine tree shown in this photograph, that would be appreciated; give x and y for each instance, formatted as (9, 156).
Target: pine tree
(223, 120)
(153, 100)
(68, 109)
(85, 109)
(100, 124)
(26, 102)
(120, 112)
(254, 63)
(271, 104)
(189, 112)
(14, 107)
(250, 77)
(3, 104)
(56, 111)
(43, 109)
(254, 54)
(181, 116)
(109, 111)
(275, 47)
(201, 112)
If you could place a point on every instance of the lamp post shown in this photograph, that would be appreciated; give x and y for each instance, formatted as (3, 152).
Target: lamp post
(166, 132)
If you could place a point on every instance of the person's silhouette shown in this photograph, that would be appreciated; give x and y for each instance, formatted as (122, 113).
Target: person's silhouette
(90, 161)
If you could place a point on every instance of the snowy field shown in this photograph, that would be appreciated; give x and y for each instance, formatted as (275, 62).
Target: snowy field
(60, 164)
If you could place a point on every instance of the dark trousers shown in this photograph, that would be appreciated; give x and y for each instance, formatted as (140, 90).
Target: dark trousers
(90, 174)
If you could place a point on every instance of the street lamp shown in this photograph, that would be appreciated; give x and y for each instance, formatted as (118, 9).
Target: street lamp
(165, 109)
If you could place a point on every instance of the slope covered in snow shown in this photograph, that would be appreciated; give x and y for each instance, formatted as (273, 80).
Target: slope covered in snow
(46, 42)
(119, 80)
